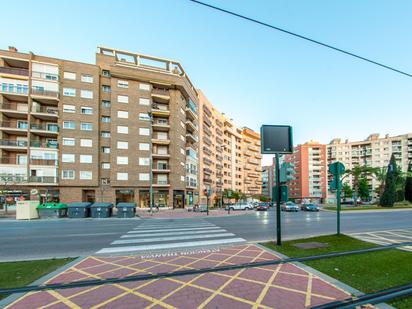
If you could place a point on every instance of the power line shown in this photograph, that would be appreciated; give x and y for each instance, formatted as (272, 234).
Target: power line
(302, 37)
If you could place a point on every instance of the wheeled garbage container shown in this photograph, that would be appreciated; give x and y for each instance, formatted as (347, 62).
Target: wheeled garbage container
(78, 210)
(101, 210)
(126, 210)
(52, 210)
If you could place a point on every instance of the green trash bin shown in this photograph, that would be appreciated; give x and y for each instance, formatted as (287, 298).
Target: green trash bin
(52, 210)
(126, 210)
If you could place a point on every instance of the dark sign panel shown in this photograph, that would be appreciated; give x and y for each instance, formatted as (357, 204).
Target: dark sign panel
(276, 139)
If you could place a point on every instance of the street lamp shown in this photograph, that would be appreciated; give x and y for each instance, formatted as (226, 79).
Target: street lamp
(151, 162)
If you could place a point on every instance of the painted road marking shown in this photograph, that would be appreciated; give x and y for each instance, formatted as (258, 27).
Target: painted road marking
(186, 237)
(170, 245)
(386, 237)
(173, 230)
(178, 233)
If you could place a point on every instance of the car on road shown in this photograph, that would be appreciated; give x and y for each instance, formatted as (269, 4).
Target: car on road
(309, 207)
(289, 206)
(240, 206)
(200, 208)
(262, 207)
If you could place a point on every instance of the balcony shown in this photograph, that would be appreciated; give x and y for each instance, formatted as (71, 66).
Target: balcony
(46, 96)
(45, 112)
(14, 160)
(161, 141)
(191, 185)
(45, 76)
(191, 113)
(248, 154)
(253, 175)
(14, 179)
(160, 155)
(191, 125)
(207, 151)
(14, 110)
(156, 111)
(207, 171)
(161, 168)
(207, 161)
(13, 144)
(43, 162)
(207, 111)
(253, 161)
(15, 92)
(48, 130)
(17, 128)
(258, 156)
(191, 138)
(207, 121)
(161, 125)
(207, 131)
(207, 141)
(12, 72)
(43, 179)
(48, 144)
(207, 180)
(162, 95)
(161, 183)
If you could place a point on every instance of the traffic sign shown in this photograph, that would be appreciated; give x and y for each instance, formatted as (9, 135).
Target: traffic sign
(336, 168)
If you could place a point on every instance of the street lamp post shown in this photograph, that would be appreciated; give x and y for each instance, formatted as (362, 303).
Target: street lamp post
(151, 163)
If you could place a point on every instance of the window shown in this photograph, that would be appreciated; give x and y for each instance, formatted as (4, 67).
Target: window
(86, 94)
(69, 75)
(105, 165)
(144, 101)
(144, 161)
(86, 175)
(105, 149)
(86, 142)
(69, 125)
(122, 114)
(145, 87)
(106, 119)
(68, 158)
(122, 129)
(122, 176)
(122, 99)
(144, 146)
(144, 131)
(67, 174)
(162, 179)
(144, 176)
(86, 126)
(122, 160)
(106, 73)
(122, 145)
(144, 116)
(182, 178)
(69, 108)
(68, 141)
(163, 136)
(106, 89)
(87, 78)
(106, 104)
(105, 134)
(86, 159)
(86, 110)
(122, 84)
(69, 92)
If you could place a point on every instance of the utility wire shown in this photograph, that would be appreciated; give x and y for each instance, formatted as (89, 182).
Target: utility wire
(301, 37)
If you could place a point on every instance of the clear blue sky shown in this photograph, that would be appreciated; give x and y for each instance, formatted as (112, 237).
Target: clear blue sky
(254, 74)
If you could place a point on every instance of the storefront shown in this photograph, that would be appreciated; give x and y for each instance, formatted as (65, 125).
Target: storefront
(160, 198)
(178, 199)
(124, 196)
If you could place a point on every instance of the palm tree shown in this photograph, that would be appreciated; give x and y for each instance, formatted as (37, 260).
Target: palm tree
(357, 173)
(380, 175)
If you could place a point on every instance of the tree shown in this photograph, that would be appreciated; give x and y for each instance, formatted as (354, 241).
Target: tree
(358, 172)
(380, 175)
(347, 191)
(363, 188)
(408, 183)
(388, 197)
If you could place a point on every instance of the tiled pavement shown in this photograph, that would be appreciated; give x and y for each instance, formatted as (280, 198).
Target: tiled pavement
(278, 286)
(387, 237)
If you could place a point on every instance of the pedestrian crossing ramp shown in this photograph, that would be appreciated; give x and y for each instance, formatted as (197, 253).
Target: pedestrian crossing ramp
(172, 235)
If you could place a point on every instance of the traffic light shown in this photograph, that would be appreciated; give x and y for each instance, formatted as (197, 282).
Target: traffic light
(287, 172)
(284, 193)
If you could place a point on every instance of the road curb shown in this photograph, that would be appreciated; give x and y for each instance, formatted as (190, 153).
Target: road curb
(12, 298)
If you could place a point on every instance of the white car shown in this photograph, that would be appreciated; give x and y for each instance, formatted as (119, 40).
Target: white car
(240, 206)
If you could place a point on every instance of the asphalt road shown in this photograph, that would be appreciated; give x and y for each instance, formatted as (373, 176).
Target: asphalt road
(22, 240)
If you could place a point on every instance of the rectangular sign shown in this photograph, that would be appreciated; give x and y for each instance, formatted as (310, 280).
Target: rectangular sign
(276, 139)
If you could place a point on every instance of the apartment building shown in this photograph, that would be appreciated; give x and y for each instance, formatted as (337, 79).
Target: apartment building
(99, 132)
(268, 180)
(310, 164)
(223, 159)
(374, 151)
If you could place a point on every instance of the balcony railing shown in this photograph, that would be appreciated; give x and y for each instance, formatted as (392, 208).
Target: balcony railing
(41, 161)
(39, 144)
(12, 160)
(14, 71)
(47, 76)
(15, 89)
(13, 125)
(162, 182)
(43, 179)
(14, 107)
(45, 93)
(45, 109)
(162, 92)
(207, 171)
(44, 128)
(13, 143)
(161, 167)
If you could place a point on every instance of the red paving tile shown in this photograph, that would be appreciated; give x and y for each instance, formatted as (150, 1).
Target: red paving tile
(288, 289)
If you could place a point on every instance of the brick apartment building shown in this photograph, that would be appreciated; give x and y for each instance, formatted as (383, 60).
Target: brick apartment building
(268, 180)
(94, 132)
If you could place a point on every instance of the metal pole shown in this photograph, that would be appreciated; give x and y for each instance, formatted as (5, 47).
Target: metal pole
(338, 189)
(151, 166)
(207, 202)
(278, 221)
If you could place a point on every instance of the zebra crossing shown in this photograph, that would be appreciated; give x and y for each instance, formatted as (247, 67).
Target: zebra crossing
(387, 237)
(158, 235)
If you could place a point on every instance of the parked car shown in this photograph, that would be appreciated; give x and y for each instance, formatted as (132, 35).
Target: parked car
(289, 206)
(262, 207)
(309, 207)
(240, 206)
(200, 208)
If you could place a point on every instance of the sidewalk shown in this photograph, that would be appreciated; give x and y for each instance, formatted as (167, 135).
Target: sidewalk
(183, 213)
(277, 286)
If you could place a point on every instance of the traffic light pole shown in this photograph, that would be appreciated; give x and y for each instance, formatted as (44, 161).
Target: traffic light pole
(338, 189)
(278, 197)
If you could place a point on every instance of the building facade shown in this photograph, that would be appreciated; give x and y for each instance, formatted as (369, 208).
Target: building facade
(94, 132)
(268, 180)
(310, 164)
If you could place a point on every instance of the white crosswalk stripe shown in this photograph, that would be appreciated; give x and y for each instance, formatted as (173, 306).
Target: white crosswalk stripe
(387, 237)
(171, 234)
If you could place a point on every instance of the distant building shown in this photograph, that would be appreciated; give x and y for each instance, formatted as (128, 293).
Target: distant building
(268, 180)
